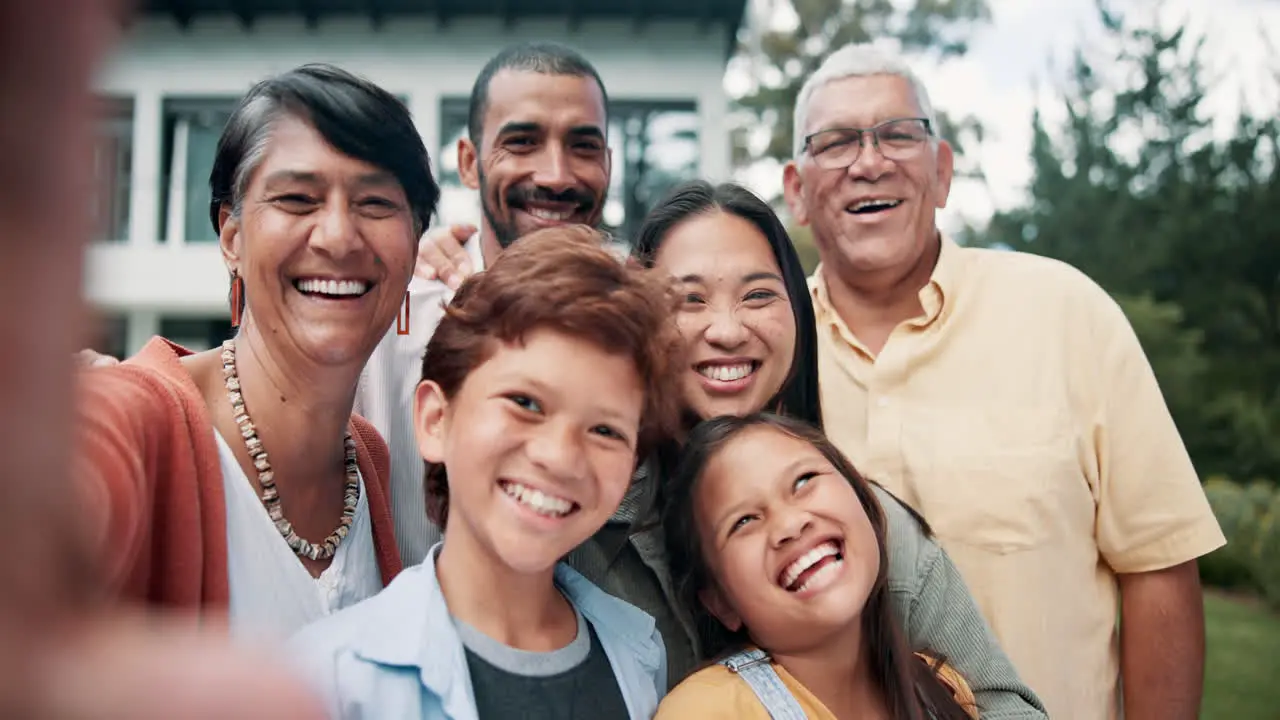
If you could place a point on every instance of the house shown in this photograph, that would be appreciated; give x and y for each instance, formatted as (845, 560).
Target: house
(169, 89)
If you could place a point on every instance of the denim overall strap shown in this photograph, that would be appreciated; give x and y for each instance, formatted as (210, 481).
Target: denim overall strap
(755, 668)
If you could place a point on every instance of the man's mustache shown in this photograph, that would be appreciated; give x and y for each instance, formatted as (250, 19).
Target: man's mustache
(519, 196)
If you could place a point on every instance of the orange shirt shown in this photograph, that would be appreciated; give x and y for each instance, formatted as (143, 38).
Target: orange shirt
(149, 469)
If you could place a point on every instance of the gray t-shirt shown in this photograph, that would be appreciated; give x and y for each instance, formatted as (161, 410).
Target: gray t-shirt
(575, 682)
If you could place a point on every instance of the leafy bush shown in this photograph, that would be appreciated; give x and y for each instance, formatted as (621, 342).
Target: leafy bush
(1259, 493)
(1258, 496)
(1266, 553)
(1237, 513)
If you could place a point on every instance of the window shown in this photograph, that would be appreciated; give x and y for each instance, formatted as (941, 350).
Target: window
(110, 334)
(458, 204)
(655, 146)
(112, 168)
(191, 131)
(196, 333)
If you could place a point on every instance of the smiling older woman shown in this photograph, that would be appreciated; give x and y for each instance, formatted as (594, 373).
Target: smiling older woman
(238, 478)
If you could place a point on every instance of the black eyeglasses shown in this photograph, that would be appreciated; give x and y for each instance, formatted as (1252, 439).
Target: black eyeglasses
(838, 148)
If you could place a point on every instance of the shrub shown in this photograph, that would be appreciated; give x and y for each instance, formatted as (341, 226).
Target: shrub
(1231, 566)
(1259, 493)
(1266, 553)
(1258, 496)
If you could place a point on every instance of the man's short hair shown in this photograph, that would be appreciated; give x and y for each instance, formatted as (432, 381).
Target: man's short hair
(355, 116)
(545, 58)
(857, 60)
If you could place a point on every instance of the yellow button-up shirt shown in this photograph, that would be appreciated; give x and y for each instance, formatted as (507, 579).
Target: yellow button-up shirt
(1020, 416)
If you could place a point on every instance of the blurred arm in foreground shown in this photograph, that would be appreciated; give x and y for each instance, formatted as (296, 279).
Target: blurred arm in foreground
(63, 652)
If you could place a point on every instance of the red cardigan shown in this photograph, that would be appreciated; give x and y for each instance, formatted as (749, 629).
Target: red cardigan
(149, 466)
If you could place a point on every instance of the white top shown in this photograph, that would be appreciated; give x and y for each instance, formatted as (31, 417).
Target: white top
(384, 397)
(272, 594)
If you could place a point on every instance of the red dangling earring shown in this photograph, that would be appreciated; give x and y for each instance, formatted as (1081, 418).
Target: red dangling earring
(403, 329)
(237, 298)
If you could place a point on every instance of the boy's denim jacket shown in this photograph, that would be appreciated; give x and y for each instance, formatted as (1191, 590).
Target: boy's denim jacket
(398, 654)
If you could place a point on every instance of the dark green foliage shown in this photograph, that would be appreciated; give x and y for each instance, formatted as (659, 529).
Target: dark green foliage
(1133, 189)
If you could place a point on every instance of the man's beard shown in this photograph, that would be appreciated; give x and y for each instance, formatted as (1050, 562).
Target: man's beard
(507, 233)
(504, 233)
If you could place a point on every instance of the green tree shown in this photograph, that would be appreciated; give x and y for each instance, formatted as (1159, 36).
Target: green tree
(1174, 350)
(1132, 189)
(782, 59)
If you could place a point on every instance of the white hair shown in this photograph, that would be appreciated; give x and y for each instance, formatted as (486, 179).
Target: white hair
(857, 60)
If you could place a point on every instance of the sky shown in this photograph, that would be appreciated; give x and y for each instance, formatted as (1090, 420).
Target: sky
(1014, 62)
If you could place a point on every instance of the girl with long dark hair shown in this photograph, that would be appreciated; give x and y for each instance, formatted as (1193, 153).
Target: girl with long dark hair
(778, 546)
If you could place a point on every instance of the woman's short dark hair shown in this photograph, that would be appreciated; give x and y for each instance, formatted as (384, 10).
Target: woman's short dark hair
(355, 116)
(799, 394)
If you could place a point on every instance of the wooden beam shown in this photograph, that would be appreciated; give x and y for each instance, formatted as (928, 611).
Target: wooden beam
(310, 13)
(638, 15)
(377, 14)
(575, 15)
(182, 13)
(705, 15)
(244, 12)
(507, 14)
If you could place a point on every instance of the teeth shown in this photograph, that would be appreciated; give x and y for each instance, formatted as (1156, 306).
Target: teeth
(864, 204)
(725, 373)
(538, 501)
(551, 215)
(806, 561)
(333, 287)
(819, 575)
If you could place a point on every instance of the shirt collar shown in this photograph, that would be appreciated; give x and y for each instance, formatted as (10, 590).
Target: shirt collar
(473, 252)
(417, 631)
(933, 296)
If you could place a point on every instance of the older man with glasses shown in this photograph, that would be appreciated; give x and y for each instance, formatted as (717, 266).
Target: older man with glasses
(1006, 397)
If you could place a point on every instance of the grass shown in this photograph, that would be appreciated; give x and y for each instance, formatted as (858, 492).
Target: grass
(1242, 666)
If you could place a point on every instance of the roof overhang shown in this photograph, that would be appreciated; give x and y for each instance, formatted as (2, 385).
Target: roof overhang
(727, 14)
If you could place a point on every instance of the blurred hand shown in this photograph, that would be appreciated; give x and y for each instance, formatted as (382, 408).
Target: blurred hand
(93, 358)
(146, 668)
(62, 657)
(441, 255)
